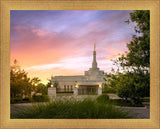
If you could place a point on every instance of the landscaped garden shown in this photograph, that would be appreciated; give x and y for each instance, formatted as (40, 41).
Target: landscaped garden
(88, 108)
(92, 107)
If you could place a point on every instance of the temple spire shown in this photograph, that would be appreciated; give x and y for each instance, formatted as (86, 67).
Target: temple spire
(94, 63)
(94, 46)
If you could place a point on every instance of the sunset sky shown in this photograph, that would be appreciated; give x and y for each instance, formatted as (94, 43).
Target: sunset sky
(61, 42)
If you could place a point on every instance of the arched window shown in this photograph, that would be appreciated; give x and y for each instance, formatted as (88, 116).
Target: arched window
(68, 87)
(71, 87)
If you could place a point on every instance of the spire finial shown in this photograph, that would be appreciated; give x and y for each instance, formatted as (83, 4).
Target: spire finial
(94, 63)
(94, 46)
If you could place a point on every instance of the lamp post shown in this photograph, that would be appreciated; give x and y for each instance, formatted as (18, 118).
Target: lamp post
(75, 90)
(100, 85)
(36, 84)
(100, 89)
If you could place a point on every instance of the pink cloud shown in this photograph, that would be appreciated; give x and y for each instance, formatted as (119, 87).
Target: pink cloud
(43, 52)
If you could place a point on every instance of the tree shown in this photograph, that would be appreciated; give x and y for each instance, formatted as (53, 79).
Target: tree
(19, 82)
(49, 83)
(138, 56)
(134, 82)
(41, 88)
(35, 81)
(56, 84)
(129, 85)
(110, 87)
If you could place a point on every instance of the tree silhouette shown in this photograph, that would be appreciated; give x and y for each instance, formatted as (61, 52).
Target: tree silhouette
(134, 82)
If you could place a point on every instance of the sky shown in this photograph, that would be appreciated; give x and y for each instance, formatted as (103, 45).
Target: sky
(60, 42)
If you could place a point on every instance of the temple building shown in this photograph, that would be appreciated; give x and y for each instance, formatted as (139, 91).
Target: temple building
(91, 82)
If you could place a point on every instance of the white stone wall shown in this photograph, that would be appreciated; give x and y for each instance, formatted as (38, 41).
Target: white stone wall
(94, 74)
(67, 80)
(99, 91)
(52, 92)
(70, 81)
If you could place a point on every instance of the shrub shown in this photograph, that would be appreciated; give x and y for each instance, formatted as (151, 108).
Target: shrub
(26, 99)
(109, 90)
(41, 98)
(145, 99)
(71, 108)
(20, 100)
(102, 98)
(16, 100)
(123, 102)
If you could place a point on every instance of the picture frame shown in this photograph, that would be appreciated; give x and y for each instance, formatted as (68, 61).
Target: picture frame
(7, 5)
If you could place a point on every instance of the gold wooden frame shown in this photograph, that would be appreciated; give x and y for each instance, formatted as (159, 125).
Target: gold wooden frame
(7, 5)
